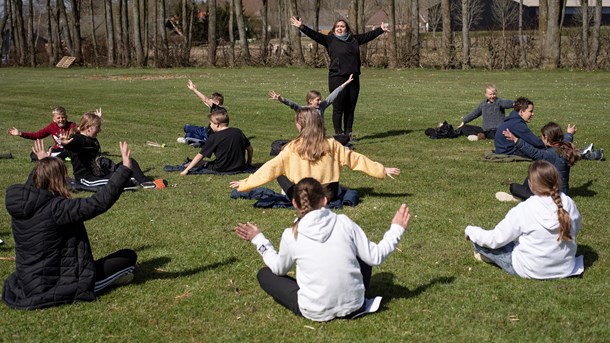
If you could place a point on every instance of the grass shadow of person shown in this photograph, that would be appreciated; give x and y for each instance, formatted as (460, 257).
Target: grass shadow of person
(151, 269)
(589, 254)
(386, 134)
(382, 284)
(368, 191)
(583, 190)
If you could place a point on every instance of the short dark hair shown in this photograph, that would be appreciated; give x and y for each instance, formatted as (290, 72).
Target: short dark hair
(522, 104)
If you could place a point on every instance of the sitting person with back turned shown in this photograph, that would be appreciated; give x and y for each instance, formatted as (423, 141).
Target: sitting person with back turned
(332, 253)
(228, 144)
(312, 154)
(492, 111)
(537, 238)
(53, 256)
(516, 122)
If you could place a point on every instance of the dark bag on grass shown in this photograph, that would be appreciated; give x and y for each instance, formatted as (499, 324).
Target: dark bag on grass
(445, 130)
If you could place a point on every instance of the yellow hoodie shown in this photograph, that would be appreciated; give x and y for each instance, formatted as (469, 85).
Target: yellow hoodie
(326, 170)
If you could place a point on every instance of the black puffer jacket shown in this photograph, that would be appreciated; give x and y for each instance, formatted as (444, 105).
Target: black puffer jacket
(53, 255)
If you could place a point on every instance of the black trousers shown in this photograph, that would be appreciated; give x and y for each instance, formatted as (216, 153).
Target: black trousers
(113, 266)
(283, 289)
(344, 105)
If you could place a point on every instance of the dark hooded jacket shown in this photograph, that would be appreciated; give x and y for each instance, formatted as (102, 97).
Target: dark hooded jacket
(53, 255)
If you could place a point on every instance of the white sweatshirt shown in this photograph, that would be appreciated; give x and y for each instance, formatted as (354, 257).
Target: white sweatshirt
(535, 227)
(325, 252)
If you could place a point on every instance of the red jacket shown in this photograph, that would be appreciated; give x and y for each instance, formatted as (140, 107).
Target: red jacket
(52, 130)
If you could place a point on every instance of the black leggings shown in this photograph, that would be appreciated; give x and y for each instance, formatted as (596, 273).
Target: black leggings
(284, 289)
(113, 266)
(344, 105)
(523, 191)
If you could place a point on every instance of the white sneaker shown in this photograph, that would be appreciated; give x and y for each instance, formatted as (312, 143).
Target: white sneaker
(181, 140)
(589, 148)
(473, 138)
(479, 257)
(503, 196)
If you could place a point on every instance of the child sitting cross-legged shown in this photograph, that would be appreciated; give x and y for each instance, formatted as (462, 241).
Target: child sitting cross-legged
(228, 144)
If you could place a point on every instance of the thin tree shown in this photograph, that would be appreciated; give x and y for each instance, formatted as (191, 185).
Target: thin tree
(19, 31)
(65, 27)
(471, 13)
(297, 49)
(415, 44)
(50, 35)
(316, 26)
(597, 20)
(522, 57)
(393, 51)
(352, 16)
(108, 15)
(93, 35)
(448, 47)
(241, 28)
(265, 32)
(231, 33)
(505, 13)
(212, 32)
(137, 33)
(144, 26)
(75, 28)
(31, 35)
(584, 9)
(543, 17)
(124, 32)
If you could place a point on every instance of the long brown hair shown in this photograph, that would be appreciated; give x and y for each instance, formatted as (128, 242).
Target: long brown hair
(554, 137)
(308, 195)
(347, 28)
(544, 179)
(51, 174)
(311, 144)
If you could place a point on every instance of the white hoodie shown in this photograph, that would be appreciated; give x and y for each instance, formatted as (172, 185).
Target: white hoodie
(325, 252)
(535, 227)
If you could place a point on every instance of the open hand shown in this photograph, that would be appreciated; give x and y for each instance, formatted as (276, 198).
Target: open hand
(402, 216)
(296, 22)
(98, 112)
(571, 129)
(191, 86)
(509, 136)
(13, 131)
(39, 150)
(125, 154)
(384, 27)
(392, 171)
(65, 137)
(234, 184)
(273, 95)
(247, 231)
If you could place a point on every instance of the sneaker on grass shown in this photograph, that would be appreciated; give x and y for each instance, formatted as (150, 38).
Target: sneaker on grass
(181, 140)
(596, 155)
(586, 150)
(503, 196)
(473, 138)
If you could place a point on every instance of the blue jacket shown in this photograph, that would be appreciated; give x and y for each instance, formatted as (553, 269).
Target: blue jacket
(552, 156)
(519, 128)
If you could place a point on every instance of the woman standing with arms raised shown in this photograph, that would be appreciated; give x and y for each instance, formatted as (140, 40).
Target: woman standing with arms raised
(343, 48)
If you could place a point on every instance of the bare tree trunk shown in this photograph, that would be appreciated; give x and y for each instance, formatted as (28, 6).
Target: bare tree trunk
(126, 51)
(543, 17)
(109, 32)
(297, 49)
(352, 16)
(448, 47)
(265, 32)
(553, 36)
(61, 7)
(144, 26)
(465, 36)
(19, 29)
(597, 20)
(93, 35)
(50, 38)
(58, 51)
(584, 9)
(361, 20)
(137, 33)
(522, 60)
(189, 36)
(316, 26)
(31, 35)
(75, 28)
(415, 51)
(212, 32)
(231, 35)
(393, 52)
(241, 28)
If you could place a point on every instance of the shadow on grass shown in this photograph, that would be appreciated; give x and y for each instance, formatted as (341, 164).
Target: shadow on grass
(151, 269)
(583, 190)
(367, 191)
(385, 134)
(590, 255)
(383, 284)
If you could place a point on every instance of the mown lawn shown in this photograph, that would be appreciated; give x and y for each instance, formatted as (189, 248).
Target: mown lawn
(195, 280)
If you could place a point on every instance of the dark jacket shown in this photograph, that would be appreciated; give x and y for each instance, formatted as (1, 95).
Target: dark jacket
(519, 128)
(552, 156)
(53, 256)
(344, 55)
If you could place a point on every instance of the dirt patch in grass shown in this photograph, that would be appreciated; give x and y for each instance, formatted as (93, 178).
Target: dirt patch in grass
(136, 77)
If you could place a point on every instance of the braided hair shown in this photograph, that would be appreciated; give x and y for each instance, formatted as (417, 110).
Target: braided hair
(544, 180)
(308, 195)
(554, 137)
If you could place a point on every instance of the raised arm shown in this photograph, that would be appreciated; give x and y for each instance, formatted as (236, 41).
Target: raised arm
(279, 263)
(332, 96)
(42, 133)
(276, 96)
(315, 35)
(193, 87)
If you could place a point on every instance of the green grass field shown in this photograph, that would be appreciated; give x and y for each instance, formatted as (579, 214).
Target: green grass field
(196, 280)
